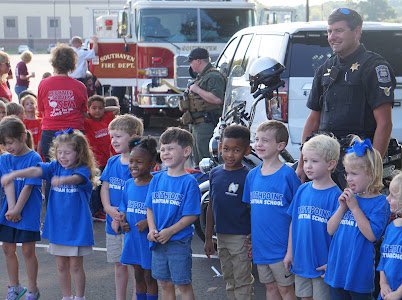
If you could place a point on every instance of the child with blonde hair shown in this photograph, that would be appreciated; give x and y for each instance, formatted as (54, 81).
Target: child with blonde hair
(358, 222)
(31, 120)
(390, 265)
(72, 175)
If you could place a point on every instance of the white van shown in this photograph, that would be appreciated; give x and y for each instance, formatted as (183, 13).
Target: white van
(301, 48)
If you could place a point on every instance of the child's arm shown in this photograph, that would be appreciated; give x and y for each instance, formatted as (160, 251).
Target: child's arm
(395, 295)
(385, 288)
(288, 260)
(209, 228)
(31, 172)
(15, 213)
(165, 234)
(70, 180)
(362, 222)
(105, 199)
(151, 225)
(9, 190)
(333, 222)
(114, 109)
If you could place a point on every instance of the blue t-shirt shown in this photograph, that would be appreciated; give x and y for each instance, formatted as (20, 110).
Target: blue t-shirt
(68, 218)
(391, 256)
(232, 216)
(136, 245)
(172, 198)
(351, 255)
(310, 211)
(116, 174)
(270, 197)
(31, 212)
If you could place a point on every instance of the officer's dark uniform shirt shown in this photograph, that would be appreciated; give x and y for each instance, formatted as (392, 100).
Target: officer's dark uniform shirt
(346, 91)
(211, 81)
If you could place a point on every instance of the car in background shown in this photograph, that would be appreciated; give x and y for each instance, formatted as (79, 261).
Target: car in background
(50, 48)
(22, 48)
(1, 48)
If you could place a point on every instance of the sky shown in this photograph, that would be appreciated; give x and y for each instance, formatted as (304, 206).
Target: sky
(290, 2)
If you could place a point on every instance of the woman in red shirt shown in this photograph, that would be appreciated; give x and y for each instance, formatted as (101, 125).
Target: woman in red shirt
(62, 101)
(4, 69)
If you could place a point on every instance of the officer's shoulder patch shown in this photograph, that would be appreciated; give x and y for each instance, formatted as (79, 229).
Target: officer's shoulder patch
(383, 74)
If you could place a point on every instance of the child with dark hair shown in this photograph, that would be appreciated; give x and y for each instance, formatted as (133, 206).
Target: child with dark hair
(230, 215)
(173, 204)
(136, 250)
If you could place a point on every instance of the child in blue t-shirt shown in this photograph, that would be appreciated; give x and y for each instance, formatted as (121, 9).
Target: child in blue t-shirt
(269, 189)
(122, 129)
(136, 250)
(230, 215)
(20, 219)
(311, 208)
(70, 236)
(390, 265)
(173, 204)
(358, 222)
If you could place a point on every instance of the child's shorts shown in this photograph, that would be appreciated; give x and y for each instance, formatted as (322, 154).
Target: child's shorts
(63, 250)
(13, 235)
(311, 288)
(173, 262)
(114, 247)
(275, 273)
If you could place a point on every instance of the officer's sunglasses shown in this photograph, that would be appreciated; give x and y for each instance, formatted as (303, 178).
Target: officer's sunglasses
(345, 11)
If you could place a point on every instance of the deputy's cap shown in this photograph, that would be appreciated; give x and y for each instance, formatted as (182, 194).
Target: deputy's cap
(198, 53)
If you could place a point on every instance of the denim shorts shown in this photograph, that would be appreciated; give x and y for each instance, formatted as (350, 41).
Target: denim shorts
(173, 261)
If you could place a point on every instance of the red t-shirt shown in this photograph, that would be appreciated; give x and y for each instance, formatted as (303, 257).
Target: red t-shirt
(5, 91)
(98, 137)
(21, 69)
(62, 102)
(35, 127)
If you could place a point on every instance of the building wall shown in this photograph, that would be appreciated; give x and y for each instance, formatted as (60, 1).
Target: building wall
(38, 23)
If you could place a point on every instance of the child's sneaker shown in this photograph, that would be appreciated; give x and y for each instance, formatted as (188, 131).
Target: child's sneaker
(15, 292)
(32, 296)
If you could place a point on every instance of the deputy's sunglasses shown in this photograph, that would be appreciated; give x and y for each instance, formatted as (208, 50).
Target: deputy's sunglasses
(344, 11)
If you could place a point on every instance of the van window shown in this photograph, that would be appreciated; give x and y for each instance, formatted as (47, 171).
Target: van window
(238, 68)
(225, 60)
(270, 46)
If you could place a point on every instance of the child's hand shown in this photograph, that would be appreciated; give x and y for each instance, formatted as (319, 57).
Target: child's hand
(56, 181)
(385, 290)
(13, 216)
(322, 268)
(6, 179)
(116, 226)
(125, 227)
(152, 234)
(342, 201)
(288, 260)
(142, 225)
(350, 199)
(113, 212)
(209, 247)
(392, 296)
(164, 235)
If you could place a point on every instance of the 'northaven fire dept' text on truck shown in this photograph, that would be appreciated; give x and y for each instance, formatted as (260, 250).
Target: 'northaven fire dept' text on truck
(146, 46)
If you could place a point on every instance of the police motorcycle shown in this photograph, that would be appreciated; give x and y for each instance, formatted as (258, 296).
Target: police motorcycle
(264, 81)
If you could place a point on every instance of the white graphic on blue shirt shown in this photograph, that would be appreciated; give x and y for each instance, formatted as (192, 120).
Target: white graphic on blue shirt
(266, 198)
(313, 213)
(391, 251)
(65, 188)
(136, 207)
(116, 183)
(348, 219)
(232, 189)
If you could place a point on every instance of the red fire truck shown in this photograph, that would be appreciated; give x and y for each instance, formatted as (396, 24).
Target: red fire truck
(146, 46)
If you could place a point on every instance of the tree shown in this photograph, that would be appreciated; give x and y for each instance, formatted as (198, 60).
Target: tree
(376, 10)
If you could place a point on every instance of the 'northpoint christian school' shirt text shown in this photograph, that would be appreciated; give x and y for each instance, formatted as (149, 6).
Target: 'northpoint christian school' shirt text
(171, 198)
(270, 197)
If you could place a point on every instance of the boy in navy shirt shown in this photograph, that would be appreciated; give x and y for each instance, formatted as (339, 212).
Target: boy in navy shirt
(173, 204)
(230, 215)
(269, 189)
(311, 208)
(122, 129)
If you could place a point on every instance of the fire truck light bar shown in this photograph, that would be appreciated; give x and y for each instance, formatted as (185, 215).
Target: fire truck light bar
(156, 72)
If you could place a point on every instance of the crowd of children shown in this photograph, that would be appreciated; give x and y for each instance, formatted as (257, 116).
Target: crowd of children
(310, 240)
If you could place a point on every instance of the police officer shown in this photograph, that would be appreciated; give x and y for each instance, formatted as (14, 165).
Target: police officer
(352, 91)
(206, 96)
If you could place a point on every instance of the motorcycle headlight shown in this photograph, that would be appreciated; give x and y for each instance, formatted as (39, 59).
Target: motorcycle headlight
(173, 101)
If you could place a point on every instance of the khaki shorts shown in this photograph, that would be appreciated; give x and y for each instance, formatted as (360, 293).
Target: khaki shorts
(62, 250)
(311, 287)
(114, 247)
(275, 273)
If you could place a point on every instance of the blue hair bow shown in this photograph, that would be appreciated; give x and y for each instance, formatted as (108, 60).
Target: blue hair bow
(65, 131)
(360, 148)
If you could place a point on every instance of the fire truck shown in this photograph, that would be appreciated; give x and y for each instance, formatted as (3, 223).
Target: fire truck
(145, 47)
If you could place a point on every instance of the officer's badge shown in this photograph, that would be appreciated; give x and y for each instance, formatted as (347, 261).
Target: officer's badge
(233, 187)
(387, 90)
(355, 67)
(383, 74)
(328, 72)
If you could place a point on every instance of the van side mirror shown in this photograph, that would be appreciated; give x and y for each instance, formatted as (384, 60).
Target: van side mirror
(237, 71)
(122, 23)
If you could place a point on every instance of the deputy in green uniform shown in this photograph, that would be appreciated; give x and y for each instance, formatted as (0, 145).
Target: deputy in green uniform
(205, 101)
